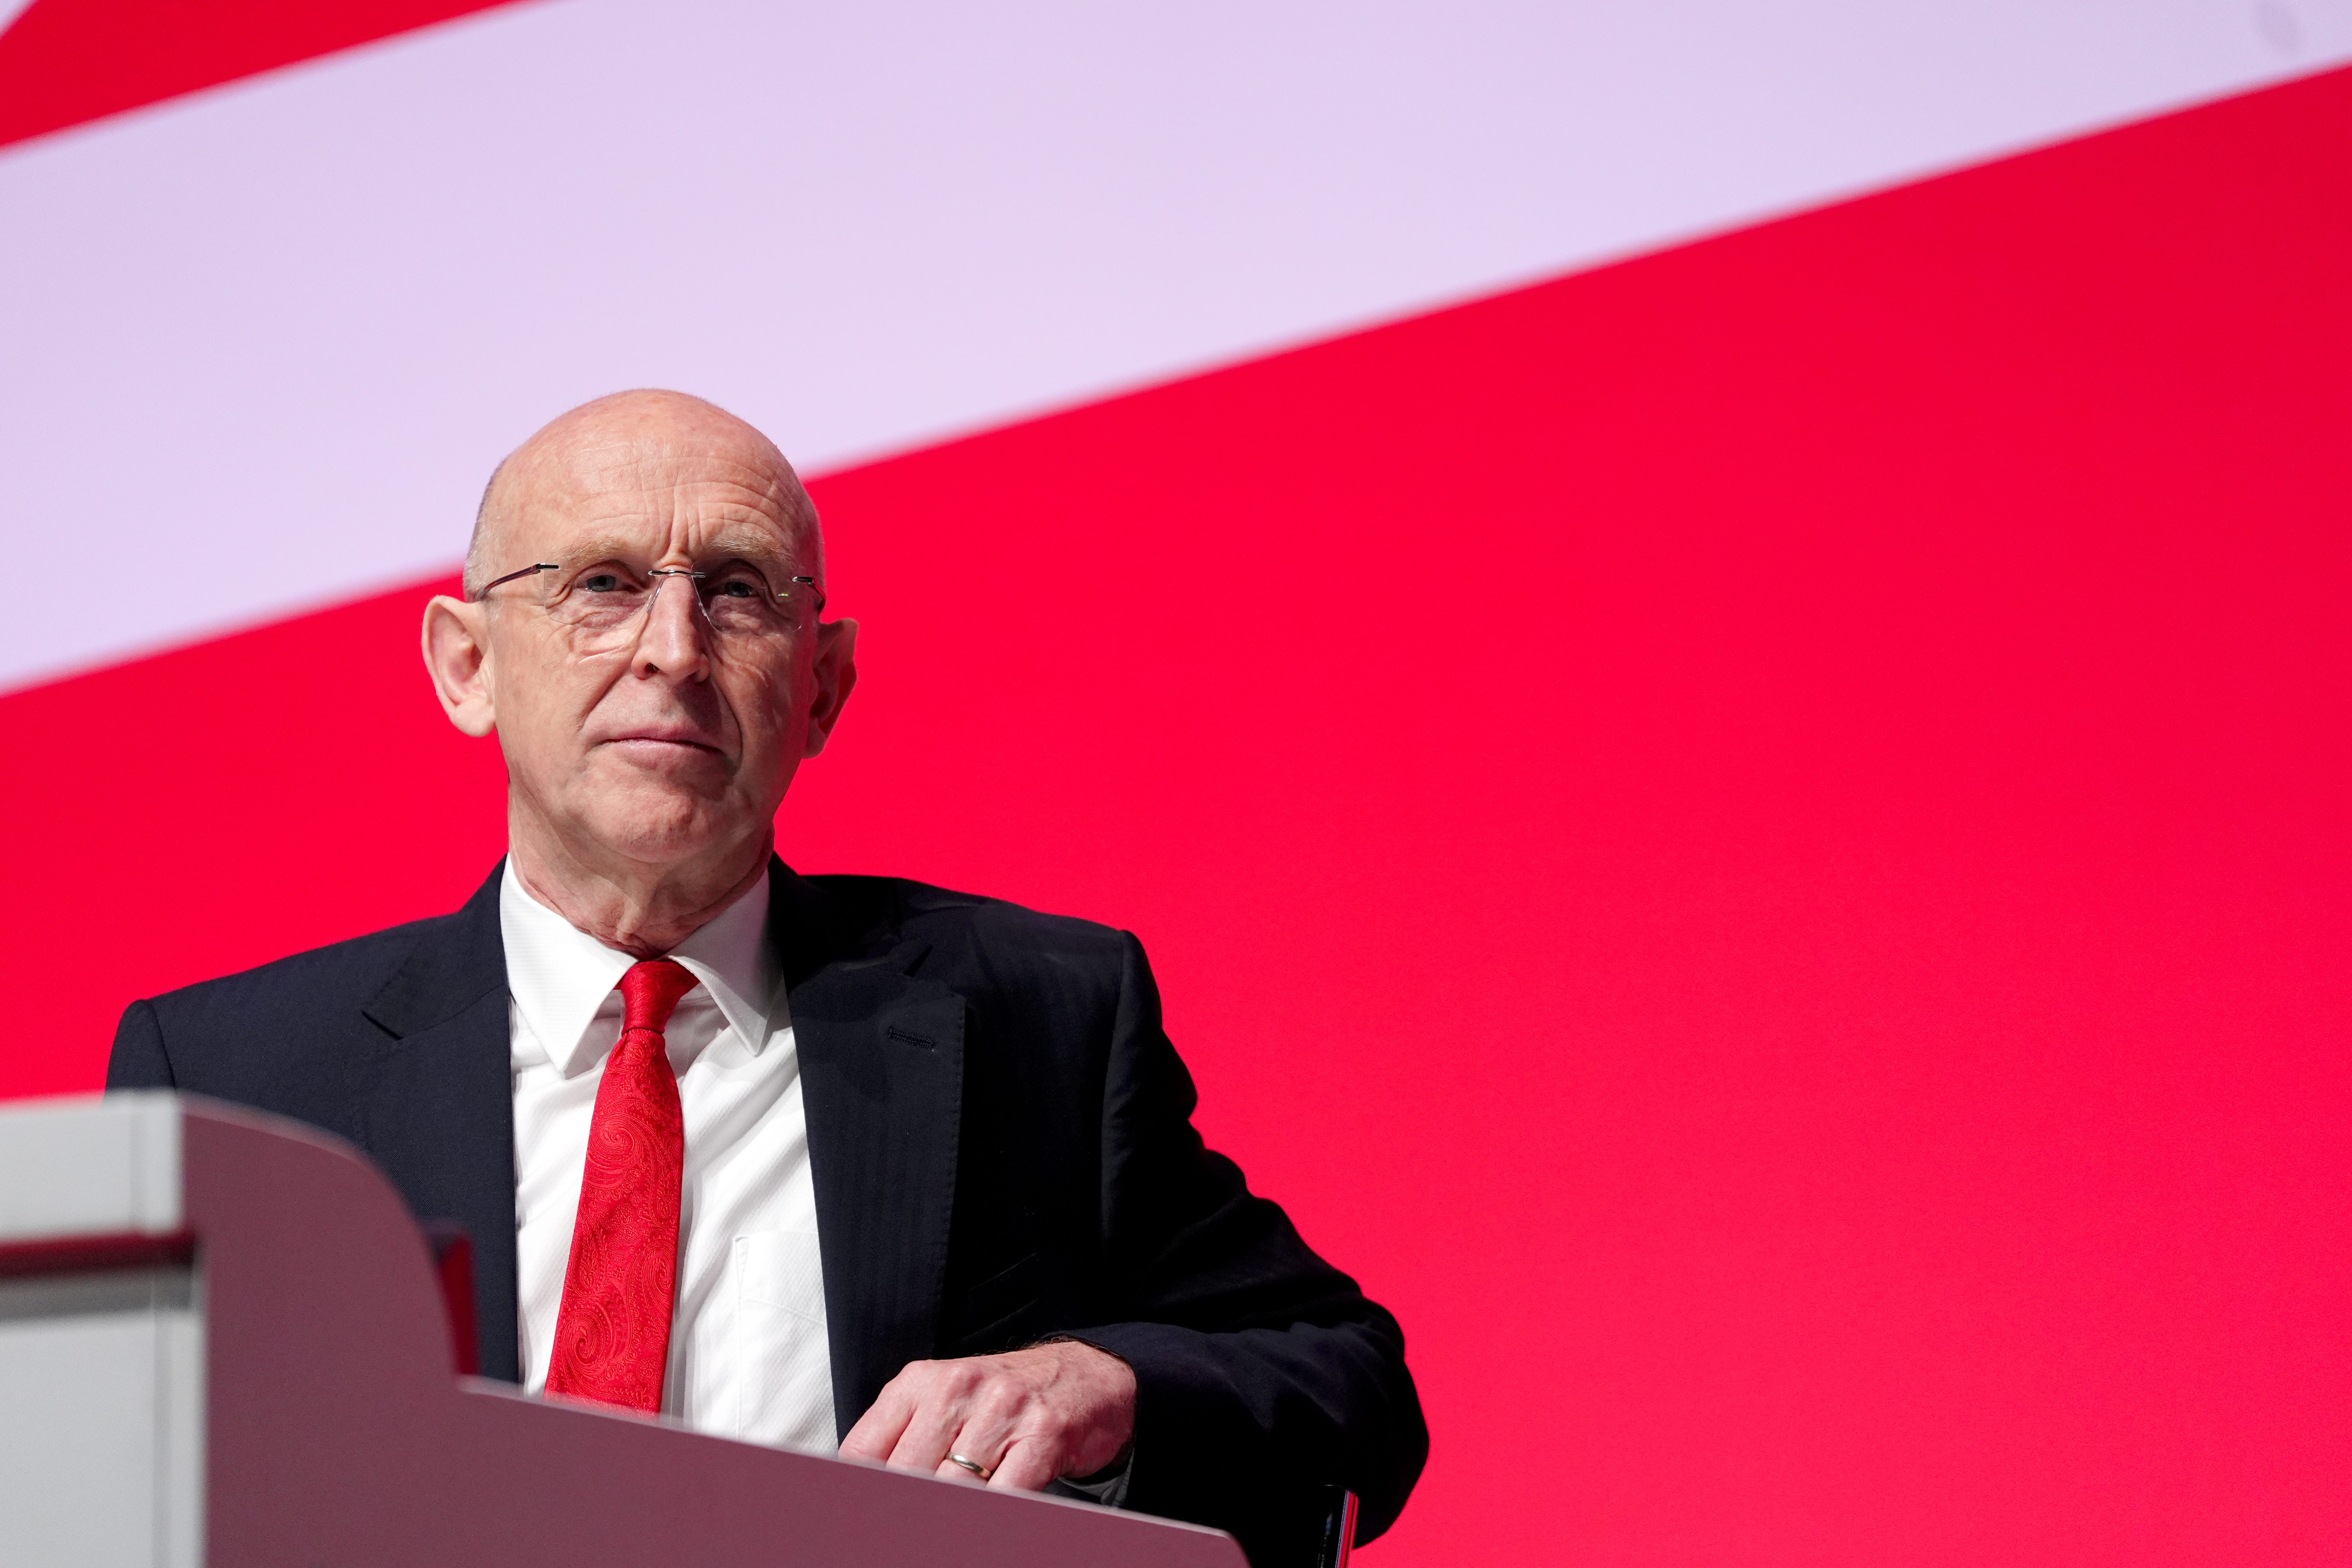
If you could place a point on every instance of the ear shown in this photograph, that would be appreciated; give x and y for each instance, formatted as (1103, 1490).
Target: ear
(458, 657)
(836, 674)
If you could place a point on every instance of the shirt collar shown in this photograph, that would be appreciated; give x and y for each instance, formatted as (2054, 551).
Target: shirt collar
(558, 975)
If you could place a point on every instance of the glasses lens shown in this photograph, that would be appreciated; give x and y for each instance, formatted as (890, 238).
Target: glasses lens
(600, 607)
(604, 608)
(739, 603)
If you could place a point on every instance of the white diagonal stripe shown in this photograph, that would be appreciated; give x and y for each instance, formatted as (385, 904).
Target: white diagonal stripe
(264, 342)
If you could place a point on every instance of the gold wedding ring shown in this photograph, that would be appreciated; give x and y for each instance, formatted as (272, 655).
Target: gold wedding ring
(974, 1466)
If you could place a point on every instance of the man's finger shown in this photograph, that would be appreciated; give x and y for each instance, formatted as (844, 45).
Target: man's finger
(986, 1431)
(876, 1431)
(1025, 1467)
(923, 1443)
(950, 1470)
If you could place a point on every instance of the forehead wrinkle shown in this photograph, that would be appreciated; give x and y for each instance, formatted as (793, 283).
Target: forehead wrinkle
(663, 501)
(730, 542)
(636, 468)
(620, 521)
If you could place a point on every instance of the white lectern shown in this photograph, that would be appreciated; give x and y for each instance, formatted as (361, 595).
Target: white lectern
(222, 1342)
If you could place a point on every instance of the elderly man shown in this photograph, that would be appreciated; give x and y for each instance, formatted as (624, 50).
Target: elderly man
(813, 1161)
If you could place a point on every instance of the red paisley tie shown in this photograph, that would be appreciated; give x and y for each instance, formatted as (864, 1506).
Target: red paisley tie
(611, 1336)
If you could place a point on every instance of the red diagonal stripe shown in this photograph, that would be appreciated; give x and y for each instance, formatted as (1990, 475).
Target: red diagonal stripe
(66, 61)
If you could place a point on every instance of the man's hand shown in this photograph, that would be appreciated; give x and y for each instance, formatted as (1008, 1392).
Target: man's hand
(1028, 1417)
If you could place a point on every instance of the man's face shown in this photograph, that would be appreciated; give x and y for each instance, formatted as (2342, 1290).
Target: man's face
(674, 735)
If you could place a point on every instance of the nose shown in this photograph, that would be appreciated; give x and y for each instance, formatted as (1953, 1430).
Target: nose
(671, 642)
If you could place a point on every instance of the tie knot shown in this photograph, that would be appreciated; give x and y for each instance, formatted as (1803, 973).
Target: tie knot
(650, 992)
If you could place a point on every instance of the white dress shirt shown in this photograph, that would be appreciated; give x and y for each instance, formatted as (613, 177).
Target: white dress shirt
(747, 1349)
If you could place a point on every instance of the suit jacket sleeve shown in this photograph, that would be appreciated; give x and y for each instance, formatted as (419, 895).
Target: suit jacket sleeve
(139, 1061)
(1263, 1374)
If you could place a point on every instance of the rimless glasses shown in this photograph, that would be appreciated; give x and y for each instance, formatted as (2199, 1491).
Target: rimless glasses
(604, 608)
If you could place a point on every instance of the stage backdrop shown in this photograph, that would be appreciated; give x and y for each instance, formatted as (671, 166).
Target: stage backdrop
(1755, 836)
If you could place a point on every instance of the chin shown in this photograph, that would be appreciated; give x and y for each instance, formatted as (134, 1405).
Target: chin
(659, 826)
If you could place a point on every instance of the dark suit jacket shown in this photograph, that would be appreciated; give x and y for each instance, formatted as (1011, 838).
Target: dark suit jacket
(1001, 1139)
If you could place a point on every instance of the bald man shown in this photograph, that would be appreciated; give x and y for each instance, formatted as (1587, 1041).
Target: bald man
(843, 1164)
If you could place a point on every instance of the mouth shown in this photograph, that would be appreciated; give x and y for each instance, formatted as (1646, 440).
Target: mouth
(652, 745)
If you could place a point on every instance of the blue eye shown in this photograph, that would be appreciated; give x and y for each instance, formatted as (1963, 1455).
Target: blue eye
(602, 582)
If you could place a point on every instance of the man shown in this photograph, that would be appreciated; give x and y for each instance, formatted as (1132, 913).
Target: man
(802, 1160)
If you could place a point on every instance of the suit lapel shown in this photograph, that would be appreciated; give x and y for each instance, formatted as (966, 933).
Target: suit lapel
(438, 1103)
(881, 1056)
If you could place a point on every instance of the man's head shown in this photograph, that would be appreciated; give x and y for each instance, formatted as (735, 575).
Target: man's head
(651, 719)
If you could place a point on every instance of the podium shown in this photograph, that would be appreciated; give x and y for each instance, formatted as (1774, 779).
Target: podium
(224, 1341)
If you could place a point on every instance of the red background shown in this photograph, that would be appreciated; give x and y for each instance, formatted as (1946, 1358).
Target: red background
(1757, 840)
